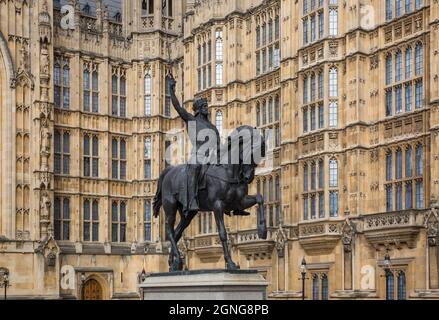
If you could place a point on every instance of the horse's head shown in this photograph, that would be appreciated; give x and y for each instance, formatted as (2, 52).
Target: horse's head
(247, 147)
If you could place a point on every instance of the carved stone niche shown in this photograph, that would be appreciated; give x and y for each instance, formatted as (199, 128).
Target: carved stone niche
(280, 239)
(432, 225)
(49, 249)
(348, 235)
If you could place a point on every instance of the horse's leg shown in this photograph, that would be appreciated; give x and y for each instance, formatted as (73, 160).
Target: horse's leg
(219, 218)
(184, 223)
(250, 201)
(174, 256)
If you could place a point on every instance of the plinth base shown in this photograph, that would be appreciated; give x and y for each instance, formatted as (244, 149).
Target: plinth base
(205, 285)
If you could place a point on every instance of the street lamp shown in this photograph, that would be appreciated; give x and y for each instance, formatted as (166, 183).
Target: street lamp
(5, 283)
(387, 262)
(303, 273)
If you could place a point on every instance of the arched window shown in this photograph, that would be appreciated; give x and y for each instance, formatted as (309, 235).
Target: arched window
(123, 222)
(333, 22)
(389, 166)
(398, 66)
(122, 97)
(258, 115)
(333, 173)
(147, 158)
(305, 177)
(86, 213)
(419, 160)
(219, 74)
(305, 89)
(270, 31)
(219, 57)
(408, 162)
(313, 87)
(264, 190)
(264, 112)
(315, 287)
(86, 93)
(325, 291)
(66, 85)
(57, 152)
(389, 13)
(398, 167)
(389, 69)
(271, 190)
(57, 84)
(123, 158)
(409, 195)
(147, 220)
(62, 218)
(333, 114)
(258, 36)
(320, 85)
(313, 176)
(95, 91)
(402, 291)
(419, 59)
(390, 286)
(95, 221)
(167, 98)
(277, 188)
(114, 156)
(333, 82)
(219, 122)
(408, 63)
(277, 108)
(321, 174)
(147, 94)
(114, 93)
(270, 110)
(86, 151)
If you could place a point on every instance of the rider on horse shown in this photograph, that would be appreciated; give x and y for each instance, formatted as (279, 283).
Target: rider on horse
(204, 151)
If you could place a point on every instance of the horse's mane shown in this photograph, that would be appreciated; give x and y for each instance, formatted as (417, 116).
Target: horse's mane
(233, 149)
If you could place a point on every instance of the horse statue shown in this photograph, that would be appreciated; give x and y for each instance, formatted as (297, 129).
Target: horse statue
(223, 189)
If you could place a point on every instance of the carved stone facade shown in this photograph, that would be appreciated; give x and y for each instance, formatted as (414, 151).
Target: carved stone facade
(85, 121)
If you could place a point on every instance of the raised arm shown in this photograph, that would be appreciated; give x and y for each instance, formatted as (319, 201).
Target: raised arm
(186, 116)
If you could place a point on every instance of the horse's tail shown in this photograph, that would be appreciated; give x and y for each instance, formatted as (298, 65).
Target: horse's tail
(158, 196)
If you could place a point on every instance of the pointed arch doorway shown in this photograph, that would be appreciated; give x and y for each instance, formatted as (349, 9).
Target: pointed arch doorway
(92, 290)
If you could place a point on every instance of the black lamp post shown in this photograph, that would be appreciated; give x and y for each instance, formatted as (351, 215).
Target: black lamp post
(303, 273)
(5, 283)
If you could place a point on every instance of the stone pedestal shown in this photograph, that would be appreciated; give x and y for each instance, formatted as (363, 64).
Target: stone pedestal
(205, 285)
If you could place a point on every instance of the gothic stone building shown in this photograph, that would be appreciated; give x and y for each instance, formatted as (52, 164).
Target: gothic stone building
(348, 90)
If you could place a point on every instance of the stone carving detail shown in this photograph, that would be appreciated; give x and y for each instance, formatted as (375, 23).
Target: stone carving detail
(45, 110)
(348, 235)
(386, 220)
(280, 239)
(46, 137)
(45, 206)
(432, 225)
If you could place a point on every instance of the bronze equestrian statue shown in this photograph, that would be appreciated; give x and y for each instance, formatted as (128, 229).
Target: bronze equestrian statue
(211, 181)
